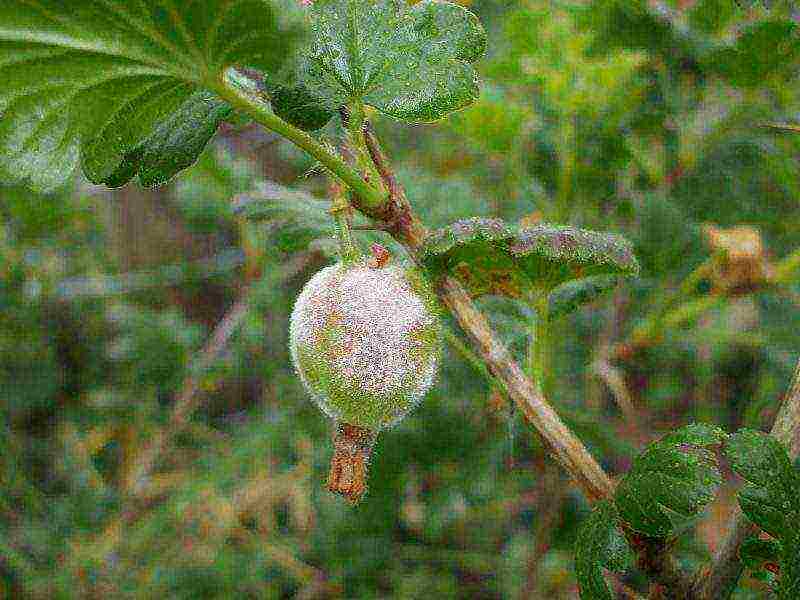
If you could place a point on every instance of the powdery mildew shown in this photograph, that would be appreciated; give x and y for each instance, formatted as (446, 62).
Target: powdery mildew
(378, 319)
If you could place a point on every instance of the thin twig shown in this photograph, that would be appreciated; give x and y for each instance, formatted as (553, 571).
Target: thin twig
(566, 448)
(615, 382)
(718, 581)
(189, 398)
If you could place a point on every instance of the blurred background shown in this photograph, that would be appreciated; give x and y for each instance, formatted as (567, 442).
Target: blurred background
(651, 119)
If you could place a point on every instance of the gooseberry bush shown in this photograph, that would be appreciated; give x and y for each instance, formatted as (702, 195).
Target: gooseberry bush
(136, 90)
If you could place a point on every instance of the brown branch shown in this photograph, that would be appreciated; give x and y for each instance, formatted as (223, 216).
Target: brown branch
(399, 217)
(720, 579)
(566, 448)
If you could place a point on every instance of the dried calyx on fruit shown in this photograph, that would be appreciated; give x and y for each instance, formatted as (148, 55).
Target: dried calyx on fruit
(365, 339)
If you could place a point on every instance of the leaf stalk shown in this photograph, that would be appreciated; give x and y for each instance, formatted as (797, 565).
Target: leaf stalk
(249, 102)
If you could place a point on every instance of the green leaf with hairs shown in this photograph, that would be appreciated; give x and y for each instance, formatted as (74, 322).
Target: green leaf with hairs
(105, 82)
(411, 63)
(490, 256)
(670, 482)
(771, 496)
(600, 545)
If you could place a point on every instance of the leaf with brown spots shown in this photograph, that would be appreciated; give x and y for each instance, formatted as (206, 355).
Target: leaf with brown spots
(491, 257)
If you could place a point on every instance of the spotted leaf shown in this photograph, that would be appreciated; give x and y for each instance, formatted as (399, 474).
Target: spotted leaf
(490, 256)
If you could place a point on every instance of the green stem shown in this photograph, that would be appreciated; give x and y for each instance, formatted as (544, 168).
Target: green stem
(538, 350)
(567, 133)
(248, 102)
(349, 252)
(651, 327)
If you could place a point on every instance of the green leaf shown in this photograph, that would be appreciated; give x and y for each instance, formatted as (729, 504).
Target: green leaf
(600, 544)
(670, 482)
(709, 16)
(299, 107)
(765, 49)
(175, 144)
(411, 63)
(696, 434)
(570, 296)
(492, 257)
(92, 81)
(789, 588)
(771, 496)
(630, 24)
(295, 218)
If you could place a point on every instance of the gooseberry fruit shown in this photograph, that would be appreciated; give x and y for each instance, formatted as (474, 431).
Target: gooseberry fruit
(365, 340)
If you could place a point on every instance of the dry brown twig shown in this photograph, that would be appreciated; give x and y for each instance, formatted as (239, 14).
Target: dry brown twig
(190, 396)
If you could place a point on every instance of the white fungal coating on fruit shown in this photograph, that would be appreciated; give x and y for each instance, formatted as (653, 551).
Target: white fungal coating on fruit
(365, 341)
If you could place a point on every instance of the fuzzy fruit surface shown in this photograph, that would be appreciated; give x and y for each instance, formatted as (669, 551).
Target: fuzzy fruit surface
(366, 342)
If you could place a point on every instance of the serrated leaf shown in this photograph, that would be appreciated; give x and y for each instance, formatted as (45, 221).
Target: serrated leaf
(411, 63)
(771, 496)
(570, 296)
(492, 257)
(600, 544)
(91, 80)
(670, 482)
(761, 51)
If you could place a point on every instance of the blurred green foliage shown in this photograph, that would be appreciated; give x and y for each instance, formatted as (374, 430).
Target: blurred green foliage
(642, 118)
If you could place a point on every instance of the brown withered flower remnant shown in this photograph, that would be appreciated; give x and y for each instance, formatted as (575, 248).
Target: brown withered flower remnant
(740, 263)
